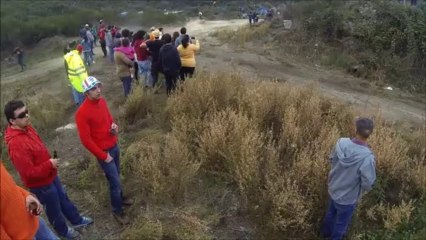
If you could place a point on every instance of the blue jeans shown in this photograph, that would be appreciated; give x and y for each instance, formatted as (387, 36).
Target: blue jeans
(88, 58)
(111, 53)
(337, 220)
(112, 173)
(127, 85)
(145, 70)
(44, 232)
(78, 96)
(57, 205)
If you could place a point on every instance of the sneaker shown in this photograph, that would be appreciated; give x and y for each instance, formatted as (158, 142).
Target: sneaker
(121, 218)
(127, 201)
(84, 222)
(72, 233)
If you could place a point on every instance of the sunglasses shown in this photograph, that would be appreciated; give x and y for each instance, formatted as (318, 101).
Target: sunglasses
(23, 114)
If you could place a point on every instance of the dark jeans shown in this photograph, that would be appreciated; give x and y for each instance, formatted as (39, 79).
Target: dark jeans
(155, 71)
(57, 205)
(112, 173)
(103, 47)
(127, 85)
(186, 72)
(337, 220)
(136, 67)
(171, 82)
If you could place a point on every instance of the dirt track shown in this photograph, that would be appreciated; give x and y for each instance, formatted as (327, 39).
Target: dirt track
(253, 64)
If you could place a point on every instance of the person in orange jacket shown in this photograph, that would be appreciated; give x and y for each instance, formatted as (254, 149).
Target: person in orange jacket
(19, 212)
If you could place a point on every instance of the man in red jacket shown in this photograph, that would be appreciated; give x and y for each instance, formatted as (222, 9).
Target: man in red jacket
(38, 170)
(98, 133)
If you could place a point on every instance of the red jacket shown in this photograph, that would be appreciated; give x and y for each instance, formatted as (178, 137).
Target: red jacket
(94, 123)
(142, 54)
(30, 157)
(101, 33)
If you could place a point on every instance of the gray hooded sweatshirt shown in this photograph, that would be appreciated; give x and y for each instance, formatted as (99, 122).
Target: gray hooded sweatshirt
(352, 171)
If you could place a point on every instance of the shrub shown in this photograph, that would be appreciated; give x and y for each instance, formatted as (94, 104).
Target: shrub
(269, 143)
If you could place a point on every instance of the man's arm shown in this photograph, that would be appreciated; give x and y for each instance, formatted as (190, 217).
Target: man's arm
(86, 139)
(23, 161)
(368, 174)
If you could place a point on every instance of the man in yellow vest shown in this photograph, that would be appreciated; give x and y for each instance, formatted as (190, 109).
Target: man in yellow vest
(76, 72)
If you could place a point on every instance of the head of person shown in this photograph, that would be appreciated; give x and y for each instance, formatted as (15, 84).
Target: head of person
(125, 42)
(101, 21)
(79, 48)
(167, 38)
(185, 41)
(67, 49)
(183, 30)
(139, 35)
(109, 27)
(364, 127)
(92, 88)
(125, 33)
(86, 26)
(156, 34)
(175, 35)
(17, 114)
(118, 35)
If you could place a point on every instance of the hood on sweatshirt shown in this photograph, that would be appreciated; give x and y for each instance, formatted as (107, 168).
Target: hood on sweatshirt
(11, 133)
(349, 153)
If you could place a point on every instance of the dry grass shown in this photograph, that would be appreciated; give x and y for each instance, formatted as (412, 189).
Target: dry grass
(270, 143)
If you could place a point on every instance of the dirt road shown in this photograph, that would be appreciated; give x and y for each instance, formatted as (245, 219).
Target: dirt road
(255, 64)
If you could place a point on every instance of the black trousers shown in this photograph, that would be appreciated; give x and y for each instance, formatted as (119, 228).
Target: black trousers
(171, 79)
(136, 67)
(103, 47)
(186, 72)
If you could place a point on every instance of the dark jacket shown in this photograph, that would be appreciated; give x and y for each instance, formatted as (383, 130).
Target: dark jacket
(169, 59)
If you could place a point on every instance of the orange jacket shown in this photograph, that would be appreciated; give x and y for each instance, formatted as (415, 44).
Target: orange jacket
(16, 221)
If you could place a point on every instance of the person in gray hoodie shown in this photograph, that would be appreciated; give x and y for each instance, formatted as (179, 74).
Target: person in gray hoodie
(352, 174)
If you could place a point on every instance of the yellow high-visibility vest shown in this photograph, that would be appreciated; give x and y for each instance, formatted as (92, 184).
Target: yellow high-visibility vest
(76, 70)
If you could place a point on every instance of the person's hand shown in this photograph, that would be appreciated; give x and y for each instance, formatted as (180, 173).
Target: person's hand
(114, 128)
(54, 161)
(108, 159)
(33, 205)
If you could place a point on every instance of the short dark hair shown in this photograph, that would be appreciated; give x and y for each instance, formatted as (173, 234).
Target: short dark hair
(125, 42)
(185, 41)
(10, 107)
(183, 30)
(167, 38)
(125, 33)
(364, 127)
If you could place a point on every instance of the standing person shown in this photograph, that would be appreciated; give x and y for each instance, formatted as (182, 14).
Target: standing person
(352, 174)
(102, 42)
(174, 37)
(178, 40)
(19, 210)
(124, 65)
(187, 55)
(94, 32)
(20, 58)
(170, 63)
(109, 41)
(98, 133)
(90, 38)
(38, 170)
(154, 49)
(130, 52)
(87, 51)
(76, 72)
(142, 57)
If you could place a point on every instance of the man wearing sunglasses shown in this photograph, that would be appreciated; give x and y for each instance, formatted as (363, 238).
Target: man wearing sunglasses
(38, 170)
(98, 133)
